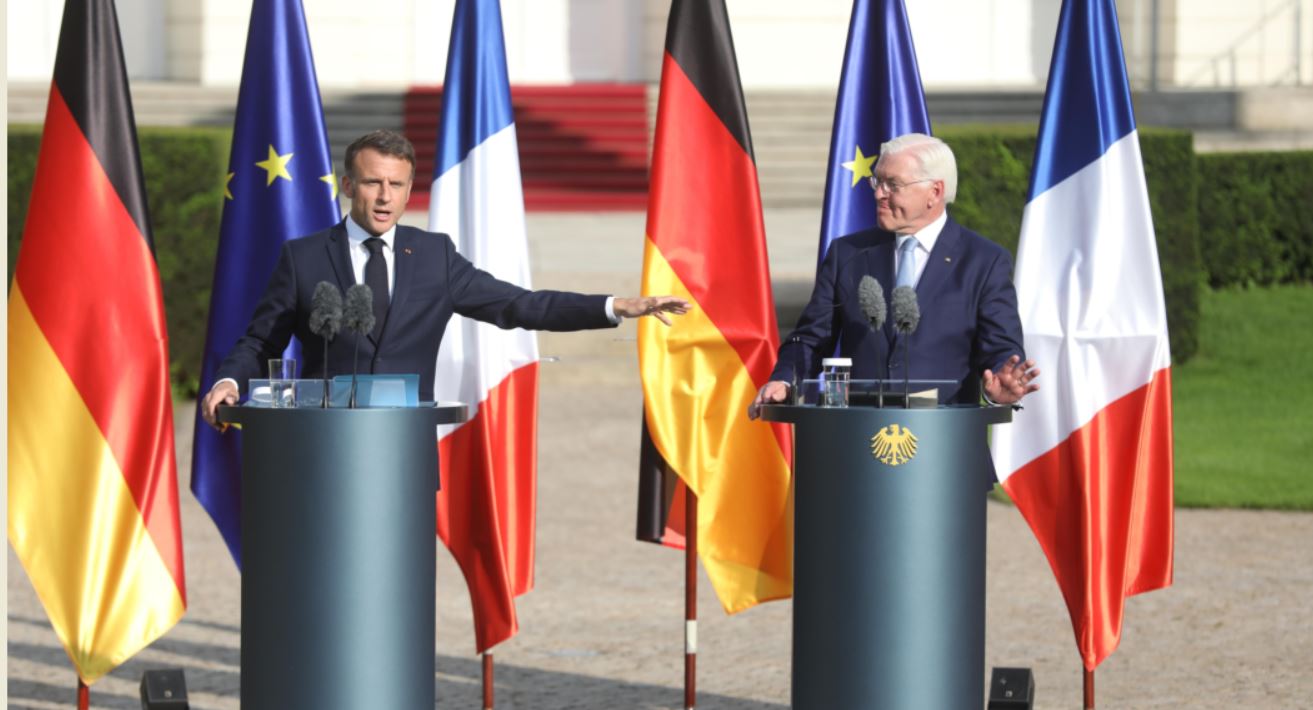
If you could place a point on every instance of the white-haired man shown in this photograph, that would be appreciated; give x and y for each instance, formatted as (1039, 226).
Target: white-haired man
(969, 330)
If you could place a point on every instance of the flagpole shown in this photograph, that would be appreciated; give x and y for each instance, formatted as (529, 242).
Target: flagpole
(690, 597)
(84, 695)
(1089, 690)
(487, 681)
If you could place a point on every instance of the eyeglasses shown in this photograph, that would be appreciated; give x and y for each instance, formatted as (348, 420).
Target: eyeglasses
(890, 186)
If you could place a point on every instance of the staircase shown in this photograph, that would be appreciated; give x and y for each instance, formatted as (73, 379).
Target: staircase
(347, 114)
(585, 147)
(582, 147)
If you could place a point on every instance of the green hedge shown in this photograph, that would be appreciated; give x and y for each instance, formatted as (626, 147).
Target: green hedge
(1249, 214)
(1256, 226)
(994, 177)
(184, 171)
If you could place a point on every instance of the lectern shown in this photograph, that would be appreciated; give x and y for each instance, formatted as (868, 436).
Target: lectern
(338, 554)
(889, 555)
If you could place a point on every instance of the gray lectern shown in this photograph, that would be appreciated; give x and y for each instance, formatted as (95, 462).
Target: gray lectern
(889, 556)
(338, 551)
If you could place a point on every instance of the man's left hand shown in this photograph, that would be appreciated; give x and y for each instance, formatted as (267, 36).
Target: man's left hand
(655, 306)
(1011, 382)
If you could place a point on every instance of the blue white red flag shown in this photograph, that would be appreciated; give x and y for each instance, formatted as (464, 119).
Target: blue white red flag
(486, 507)
(1089, 460)
(281, 185)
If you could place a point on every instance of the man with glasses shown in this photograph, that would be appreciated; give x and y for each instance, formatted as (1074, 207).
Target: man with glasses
(969, 330)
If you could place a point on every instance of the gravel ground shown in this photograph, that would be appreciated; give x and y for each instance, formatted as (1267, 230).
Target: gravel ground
(603, 627)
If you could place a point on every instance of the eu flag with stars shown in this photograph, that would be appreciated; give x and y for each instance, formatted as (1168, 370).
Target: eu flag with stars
(880, 98)
(280, 186)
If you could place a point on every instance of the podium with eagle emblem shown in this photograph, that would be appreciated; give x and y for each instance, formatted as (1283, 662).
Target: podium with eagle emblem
(339, 555)
(889, 555)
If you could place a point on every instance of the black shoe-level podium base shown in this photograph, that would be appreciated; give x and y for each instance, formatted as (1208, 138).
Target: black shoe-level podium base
(338, 552)
(889, 560)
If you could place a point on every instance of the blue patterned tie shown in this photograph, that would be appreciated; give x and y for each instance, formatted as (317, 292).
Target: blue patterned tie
(907, 263)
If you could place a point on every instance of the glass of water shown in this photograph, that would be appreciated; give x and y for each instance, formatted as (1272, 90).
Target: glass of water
(835, 378)
(282, 382)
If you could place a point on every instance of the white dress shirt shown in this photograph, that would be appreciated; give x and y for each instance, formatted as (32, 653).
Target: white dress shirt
(926, 239)
(356, 236)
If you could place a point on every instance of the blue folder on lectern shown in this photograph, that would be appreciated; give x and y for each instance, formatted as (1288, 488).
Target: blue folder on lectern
(377, 390)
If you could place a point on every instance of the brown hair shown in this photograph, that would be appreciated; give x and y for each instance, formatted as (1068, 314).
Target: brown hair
(385, 142)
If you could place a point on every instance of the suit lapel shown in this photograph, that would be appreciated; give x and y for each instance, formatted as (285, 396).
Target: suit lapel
(943, 260)
(339, 256)
(880, 264)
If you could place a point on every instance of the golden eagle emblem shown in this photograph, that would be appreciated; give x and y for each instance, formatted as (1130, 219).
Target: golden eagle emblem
(893, 445)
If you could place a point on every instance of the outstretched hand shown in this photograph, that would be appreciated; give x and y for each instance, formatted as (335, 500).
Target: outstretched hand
(655, 306)
(1013, 380)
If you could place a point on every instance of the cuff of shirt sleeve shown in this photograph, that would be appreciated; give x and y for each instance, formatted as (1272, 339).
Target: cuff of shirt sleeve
(228, 379)
(610, 311)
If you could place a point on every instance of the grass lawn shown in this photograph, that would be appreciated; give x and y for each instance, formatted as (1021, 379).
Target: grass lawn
(1243, 405)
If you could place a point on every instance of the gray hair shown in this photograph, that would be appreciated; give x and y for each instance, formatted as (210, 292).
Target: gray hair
(934, 159)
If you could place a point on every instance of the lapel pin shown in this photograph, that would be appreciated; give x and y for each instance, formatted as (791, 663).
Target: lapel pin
(948, 259)
(406, 249)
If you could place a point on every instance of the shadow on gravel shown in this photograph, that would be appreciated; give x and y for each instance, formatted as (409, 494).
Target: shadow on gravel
(67, 696)
(458, 686)
(456, 681)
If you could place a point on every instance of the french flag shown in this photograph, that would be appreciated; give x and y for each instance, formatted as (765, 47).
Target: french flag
(1089, 460)
(486, 507)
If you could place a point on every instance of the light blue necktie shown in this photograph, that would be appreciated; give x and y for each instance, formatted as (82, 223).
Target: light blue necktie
(907, 263)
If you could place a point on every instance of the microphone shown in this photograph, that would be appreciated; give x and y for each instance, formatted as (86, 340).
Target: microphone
(359, 319)
(326, 321)
(906, 310)
(907, 315)
(870, 299)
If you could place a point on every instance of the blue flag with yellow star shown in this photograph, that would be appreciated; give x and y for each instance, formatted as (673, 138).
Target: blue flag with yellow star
(280, 186)
(880, 97)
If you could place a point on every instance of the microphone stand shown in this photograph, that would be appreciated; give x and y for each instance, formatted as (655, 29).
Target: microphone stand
(880, 400)
(355, 367)
(327, 399)
(907, 373)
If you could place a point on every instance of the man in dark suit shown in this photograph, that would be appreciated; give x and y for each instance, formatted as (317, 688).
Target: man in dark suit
(418, 278)
(969, 330)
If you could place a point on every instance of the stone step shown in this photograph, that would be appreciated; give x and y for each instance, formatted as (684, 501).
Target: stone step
(790, 129)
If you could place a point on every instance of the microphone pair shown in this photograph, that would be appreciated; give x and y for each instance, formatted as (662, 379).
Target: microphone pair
(906, 310)
(327, 316)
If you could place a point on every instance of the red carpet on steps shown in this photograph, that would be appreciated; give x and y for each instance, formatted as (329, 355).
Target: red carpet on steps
(583, 147)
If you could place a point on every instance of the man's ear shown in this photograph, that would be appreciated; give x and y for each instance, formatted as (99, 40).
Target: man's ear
(937, 189)
(347, 187)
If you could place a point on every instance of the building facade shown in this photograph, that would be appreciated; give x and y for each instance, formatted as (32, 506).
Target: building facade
(785, 44)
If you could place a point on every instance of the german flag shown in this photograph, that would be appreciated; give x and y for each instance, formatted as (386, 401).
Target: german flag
(93, 490)
(706, 242)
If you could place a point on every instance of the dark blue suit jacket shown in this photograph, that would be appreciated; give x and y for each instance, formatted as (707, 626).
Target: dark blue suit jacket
(969, 319)
(432, 281)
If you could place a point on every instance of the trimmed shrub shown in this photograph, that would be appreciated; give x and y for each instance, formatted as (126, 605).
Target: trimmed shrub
(1256, 218)
(184, 171)
(1244, 218)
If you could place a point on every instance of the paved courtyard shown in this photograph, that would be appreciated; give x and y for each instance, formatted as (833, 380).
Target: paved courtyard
(603, 627)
